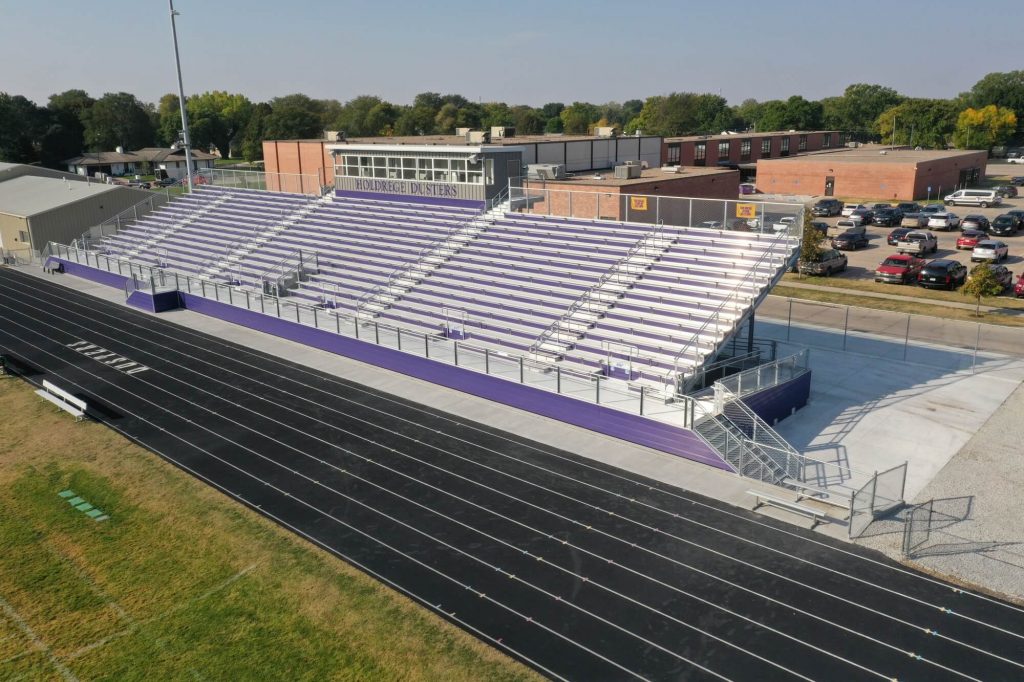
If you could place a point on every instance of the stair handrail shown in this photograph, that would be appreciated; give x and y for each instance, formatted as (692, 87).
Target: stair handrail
(398, 273)
(584, 299)
(769, 254)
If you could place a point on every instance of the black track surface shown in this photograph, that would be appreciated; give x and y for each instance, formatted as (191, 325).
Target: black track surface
(583, 571)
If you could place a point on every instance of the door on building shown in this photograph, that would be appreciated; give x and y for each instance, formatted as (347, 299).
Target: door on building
(830, 185)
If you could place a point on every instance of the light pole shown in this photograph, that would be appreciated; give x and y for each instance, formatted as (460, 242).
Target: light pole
(181, 99)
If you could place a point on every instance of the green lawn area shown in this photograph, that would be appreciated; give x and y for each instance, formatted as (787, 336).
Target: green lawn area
(845, 292)
(181, 583)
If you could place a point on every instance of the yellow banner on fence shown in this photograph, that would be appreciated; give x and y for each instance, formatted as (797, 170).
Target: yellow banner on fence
(746, 210)
(638, 203)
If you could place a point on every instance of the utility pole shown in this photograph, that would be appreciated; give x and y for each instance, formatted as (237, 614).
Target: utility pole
(181, 100)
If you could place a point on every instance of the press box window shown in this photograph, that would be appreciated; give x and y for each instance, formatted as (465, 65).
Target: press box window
(673, 154)
(700, 152)
(802, 143)
(766, 147)
(744, 149)
(723, 150)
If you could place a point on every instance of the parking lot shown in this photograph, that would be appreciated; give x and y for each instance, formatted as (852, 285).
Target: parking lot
(863, 261)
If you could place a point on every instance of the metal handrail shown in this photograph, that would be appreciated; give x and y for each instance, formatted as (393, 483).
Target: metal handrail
(402, 270)
(585, 299)
(768, 255)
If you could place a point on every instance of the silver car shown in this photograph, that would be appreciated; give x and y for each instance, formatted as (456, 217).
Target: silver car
(943, 221)
(990, 249)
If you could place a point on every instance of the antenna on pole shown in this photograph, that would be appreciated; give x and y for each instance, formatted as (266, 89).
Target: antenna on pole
(181, 99)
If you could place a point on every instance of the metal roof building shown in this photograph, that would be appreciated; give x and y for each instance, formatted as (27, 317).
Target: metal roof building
(36, 210)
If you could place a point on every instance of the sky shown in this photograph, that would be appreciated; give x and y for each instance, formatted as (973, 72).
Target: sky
(522, 52)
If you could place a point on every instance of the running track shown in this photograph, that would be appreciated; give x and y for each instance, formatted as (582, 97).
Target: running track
(580, 570)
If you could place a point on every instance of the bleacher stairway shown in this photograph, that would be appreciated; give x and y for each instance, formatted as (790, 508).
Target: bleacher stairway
(246, 247)
(154, 240)
(400, 282)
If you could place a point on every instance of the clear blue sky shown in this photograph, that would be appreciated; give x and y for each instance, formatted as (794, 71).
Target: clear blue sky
(525, 52)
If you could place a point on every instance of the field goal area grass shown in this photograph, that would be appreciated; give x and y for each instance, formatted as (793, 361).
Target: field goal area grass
(180, 582)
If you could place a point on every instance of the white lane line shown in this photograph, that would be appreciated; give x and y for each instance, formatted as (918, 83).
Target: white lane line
(179, 332)
(27, 630)
(821, 619)
(489, 598)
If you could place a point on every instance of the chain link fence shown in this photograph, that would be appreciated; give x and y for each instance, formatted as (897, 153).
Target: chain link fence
(720, 214)
(890, 335)
(881, 495)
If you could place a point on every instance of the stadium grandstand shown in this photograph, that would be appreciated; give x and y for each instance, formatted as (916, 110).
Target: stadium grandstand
(454, 256)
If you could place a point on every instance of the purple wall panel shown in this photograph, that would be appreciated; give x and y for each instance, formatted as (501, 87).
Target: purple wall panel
(778, 402)
(433, 201)
(632, 428)
(110, 279)
(159, 303)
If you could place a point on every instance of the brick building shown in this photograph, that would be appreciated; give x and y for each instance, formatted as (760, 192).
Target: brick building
(873, 172)
(744, 149)
(635, 199)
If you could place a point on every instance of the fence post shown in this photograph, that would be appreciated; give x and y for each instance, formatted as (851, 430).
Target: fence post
(316, 322)
(426, 346)
(597, 392)
(487, 360)
(906, 339)
(456, 353)
(558, 379)
(522, 375)
(789, 320)
(643, 391)
(399, 338)
(977, 342)
(376, 332)
(846, 325)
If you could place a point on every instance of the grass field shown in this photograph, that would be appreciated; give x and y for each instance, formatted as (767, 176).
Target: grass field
(180, 583)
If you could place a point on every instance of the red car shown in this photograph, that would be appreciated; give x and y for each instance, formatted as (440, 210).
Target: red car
(968, 239)
(899, 268)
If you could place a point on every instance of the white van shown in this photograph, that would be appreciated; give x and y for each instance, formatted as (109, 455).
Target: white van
(973, 197)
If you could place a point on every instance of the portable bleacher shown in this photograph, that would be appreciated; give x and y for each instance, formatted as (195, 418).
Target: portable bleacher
(62, 399)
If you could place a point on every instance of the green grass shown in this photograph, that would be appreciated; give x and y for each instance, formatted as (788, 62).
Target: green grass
(181, 582)
(925, 295)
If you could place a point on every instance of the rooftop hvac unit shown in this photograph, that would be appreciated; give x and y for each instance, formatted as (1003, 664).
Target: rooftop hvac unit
(628, 172)
(478, 137)
(500, 132)
(546, 171)
(462, 132)
(604, 131)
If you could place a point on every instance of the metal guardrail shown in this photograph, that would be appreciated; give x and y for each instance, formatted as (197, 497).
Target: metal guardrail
(621, 269)
(288, 272)
(126, 218)
(757, 289)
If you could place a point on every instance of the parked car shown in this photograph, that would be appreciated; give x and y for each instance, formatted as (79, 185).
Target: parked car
(888, 217)
(878, 207)
(932, 208)
(864, 216)
(139, 184)
(1016, 159)
(848, 241)
(909, 207)
(166, 182)
(828, 262)
(899, 268)
(711, 224)
(942, 273)
(827, 207)
(1001, 273)
(918, 243)
(914, 220)
(1018, 288)
(820, 226)
(1018, 215)
(1005, 191)
(990, 249)
(1017, 179)
(850, 226)
(968, 239)
(974, 221)
(848, 209)
(1003, 225)
(897, 235)
(783, 224)
(943, 221)
(747, 188)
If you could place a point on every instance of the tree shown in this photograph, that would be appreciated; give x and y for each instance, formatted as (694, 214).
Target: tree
(981, 283)
(381, 119)
(118, 119)
(554, 125)
(20, 122)
(861, 105)
(527, 120)
(353, 119)
(221, 117)
(984, 128)
(63, 134)
(168, 120)
(919, 122)
(255, 132)
(795, 113)
(810, 240)
(551, 109)
(1001, 89)
(293, 117)
(578, 117)
(747, 113)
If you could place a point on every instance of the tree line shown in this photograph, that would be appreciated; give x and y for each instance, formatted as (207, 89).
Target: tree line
(73, 122)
